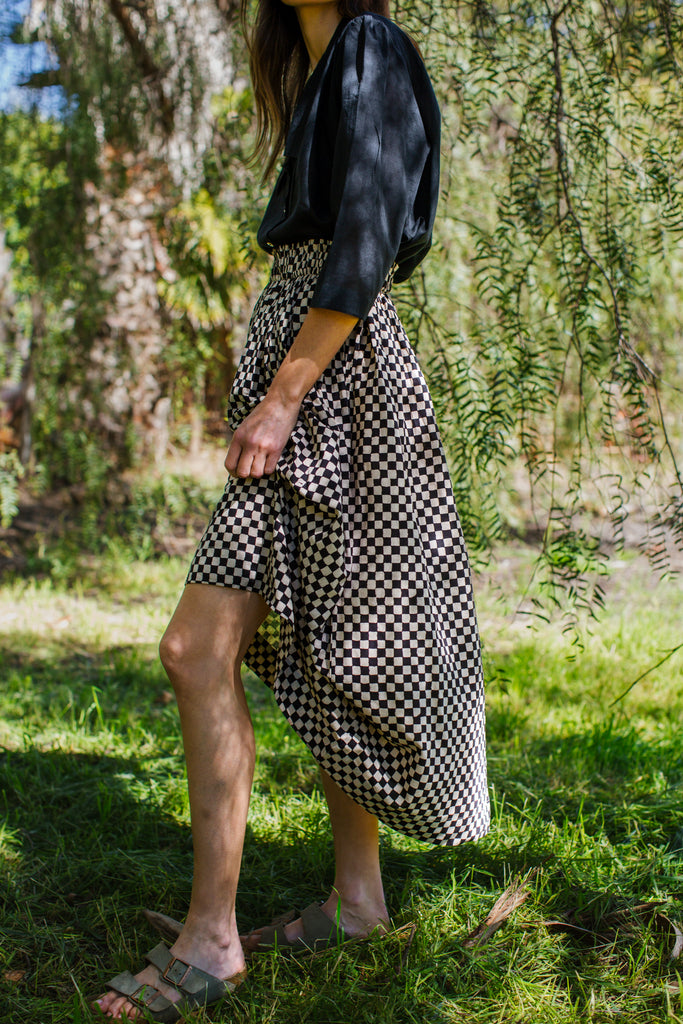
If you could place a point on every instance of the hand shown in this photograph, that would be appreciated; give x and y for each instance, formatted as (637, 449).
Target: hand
(257, 443)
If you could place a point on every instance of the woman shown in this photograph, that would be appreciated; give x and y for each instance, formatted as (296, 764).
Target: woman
(338, 517)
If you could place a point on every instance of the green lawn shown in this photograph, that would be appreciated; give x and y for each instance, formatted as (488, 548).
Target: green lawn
(587, 801)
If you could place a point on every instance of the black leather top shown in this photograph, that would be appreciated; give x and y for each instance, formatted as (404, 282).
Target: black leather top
(361, 164)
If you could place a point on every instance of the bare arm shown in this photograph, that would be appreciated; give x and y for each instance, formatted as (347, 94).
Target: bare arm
(258, 441)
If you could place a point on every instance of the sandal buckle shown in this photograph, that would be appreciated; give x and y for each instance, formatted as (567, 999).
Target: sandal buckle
(144, 995)
(176, 971)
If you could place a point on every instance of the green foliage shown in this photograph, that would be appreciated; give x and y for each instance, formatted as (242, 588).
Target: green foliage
(135, 519)
(545, 317)
(210, 240)
(43, 167)
(152, 509)
(43, 164)
(11, 472)
(114, 66)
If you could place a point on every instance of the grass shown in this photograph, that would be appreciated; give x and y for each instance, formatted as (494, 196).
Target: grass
(587, 806)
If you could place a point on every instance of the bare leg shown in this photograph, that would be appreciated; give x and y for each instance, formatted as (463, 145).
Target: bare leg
(357, 897)
(358, 889)
(202, 651)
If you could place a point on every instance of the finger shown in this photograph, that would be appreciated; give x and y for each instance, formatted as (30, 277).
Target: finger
(271, 462)
(243, 468)
(258, 465)
(233, 456)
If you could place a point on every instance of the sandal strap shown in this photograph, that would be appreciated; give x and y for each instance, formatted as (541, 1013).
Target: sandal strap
(189, 980)
(167, 926)
(320, 932)
(274, 934)
(318, 927)
(147, 997)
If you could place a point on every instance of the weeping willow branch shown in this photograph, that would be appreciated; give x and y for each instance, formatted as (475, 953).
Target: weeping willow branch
(643, 675)
(547, 316)
(562, 160)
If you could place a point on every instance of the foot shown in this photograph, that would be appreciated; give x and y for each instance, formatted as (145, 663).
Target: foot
(358, 920)
(216, 957)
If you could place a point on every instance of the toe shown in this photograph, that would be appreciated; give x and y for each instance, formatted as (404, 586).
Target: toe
(250, 942)
(116, 1006)
(104, 1002)
(126, 1011)
(295, 930)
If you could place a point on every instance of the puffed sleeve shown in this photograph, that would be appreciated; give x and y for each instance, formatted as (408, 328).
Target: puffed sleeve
(379, 155)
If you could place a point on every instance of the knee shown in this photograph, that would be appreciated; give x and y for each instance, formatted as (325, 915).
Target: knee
(193, 662)
(181, 660)
(174, 654)
(171, 650)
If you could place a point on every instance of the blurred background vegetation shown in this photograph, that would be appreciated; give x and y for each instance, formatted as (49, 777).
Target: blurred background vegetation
(547, 321)
(547, 316)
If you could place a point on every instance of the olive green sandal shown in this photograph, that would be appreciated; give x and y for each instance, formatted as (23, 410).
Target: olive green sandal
(320, 932)
(197, 988)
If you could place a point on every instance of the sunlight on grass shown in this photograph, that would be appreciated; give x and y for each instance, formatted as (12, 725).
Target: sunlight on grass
(587, 806)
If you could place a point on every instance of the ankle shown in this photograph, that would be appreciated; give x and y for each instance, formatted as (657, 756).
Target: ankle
(220, 932)
(358, 902)
(218, 954)
(359, 893)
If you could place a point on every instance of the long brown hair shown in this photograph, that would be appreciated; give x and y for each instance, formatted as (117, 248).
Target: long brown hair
(279, 65)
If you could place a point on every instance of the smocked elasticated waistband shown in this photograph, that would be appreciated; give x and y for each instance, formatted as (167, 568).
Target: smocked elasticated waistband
(300, 259)
(307, 259)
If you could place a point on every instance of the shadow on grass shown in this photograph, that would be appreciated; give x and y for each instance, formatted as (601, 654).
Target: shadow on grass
(87, 842)
(51, 682)
(607, 780)
(605, 777)
(90, 838)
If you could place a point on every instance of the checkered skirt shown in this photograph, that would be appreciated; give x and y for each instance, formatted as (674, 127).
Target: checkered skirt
(372, 648)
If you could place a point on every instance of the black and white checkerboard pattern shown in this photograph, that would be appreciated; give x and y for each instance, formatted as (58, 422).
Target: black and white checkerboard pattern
(355, 544)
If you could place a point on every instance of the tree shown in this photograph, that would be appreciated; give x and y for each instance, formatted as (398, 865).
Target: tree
(151, 90)
(550, 332)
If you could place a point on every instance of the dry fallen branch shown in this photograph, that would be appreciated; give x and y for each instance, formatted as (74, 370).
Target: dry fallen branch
(513, 897)
(605, 930)
(167, 926)
(409, 930)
